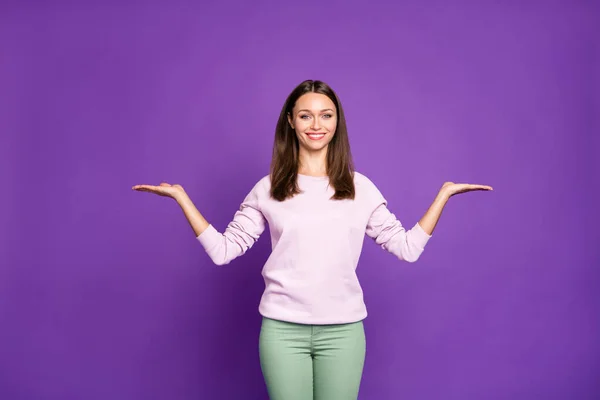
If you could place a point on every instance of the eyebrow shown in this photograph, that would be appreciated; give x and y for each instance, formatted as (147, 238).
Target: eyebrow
(327, 109)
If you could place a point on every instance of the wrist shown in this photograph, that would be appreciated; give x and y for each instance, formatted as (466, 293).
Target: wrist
(181, 198)
(443, 195)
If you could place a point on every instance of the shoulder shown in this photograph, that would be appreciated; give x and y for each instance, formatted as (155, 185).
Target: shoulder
(362, 181)
(265, 181)
(258, 193)
(367, 188)
(263, 186)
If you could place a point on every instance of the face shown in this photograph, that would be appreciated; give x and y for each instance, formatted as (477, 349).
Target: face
(314, 118)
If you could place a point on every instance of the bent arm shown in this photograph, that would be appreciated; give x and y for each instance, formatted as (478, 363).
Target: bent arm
(241, 233)
(388, 232)
(195, 219)
(434, 212)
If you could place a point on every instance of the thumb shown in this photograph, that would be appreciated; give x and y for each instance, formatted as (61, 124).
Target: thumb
(164, 184)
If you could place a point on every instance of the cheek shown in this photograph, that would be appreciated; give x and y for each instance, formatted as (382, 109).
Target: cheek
(301, 124)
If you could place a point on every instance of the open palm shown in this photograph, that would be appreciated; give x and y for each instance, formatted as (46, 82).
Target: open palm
(163, 189)
(451, 188)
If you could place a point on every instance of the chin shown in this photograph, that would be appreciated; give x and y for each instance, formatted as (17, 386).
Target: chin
(317, 146)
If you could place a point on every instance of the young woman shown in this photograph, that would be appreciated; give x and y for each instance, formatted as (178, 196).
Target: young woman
(312, 342)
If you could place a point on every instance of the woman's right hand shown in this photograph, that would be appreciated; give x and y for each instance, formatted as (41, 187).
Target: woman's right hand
(196, 220)
(163, 189)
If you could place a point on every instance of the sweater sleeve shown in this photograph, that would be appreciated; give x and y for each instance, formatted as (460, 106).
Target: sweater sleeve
(241, 233)
(388, 232)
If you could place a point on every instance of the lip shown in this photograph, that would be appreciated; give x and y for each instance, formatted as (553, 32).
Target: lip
(322, 135)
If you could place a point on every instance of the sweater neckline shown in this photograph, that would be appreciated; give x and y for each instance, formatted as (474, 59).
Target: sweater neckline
(314, 178)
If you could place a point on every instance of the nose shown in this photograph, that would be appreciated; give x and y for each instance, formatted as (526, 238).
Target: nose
(315, 124)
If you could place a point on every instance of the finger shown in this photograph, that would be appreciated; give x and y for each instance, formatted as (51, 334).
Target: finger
(480, 187)
(144, 187)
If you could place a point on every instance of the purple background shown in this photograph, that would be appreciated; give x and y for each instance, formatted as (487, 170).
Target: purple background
(105, 293)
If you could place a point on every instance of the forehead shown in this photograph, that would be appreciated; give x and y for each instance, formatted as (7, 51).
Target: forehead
(314, 102)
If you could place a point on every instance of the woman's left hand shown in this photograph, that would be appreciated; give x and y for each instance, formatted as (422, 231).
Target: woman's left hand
(450, 188)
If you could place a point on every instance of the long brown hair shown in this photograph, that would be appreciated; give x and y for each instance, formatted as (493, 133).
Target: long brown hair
(285, 161)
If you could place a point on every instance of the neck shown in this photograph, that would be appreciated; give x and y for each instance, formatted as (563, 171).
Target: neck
(312, 163)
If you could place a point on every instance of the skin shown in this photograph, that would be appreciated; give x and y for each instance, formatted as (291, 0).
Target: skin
(313, 112)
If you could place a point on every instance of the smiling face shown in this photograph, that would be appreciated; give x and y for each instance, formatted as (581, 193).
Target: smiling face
(314, 119)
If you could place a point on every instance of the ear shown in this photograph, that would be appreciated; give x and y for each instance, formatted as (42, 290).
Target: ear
(289, 117)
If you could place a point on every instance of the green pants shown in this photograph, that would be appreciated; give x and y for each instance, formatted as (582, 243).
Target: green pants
(312, 362)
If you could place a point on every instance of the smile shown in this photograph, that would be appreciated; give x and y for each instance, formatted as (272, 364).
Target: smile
(316, 136)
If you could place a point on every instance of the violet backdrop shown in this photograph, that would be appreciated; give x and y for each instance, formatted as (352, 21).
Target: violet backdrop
(105, 293)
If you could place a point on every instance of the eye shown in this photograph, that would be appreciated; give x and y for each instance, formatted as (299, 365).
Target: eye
(328, 115)
(303, 116)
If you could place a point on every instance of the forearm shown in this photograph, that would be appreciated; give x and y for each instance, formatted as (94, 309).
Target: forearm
(195, 219)
(432, 216)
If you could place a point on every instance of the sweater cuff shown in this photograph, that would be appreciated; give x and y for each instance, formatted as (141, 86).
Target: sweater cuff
(209, 237)
(419, 236)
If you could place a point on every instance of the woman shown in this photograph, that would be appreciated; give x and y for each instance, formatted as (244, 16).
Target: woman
(312, 342)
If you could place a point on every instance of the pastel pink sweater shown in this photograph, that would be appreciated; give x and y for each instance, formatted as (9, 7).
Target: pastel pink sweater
(310, 276)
